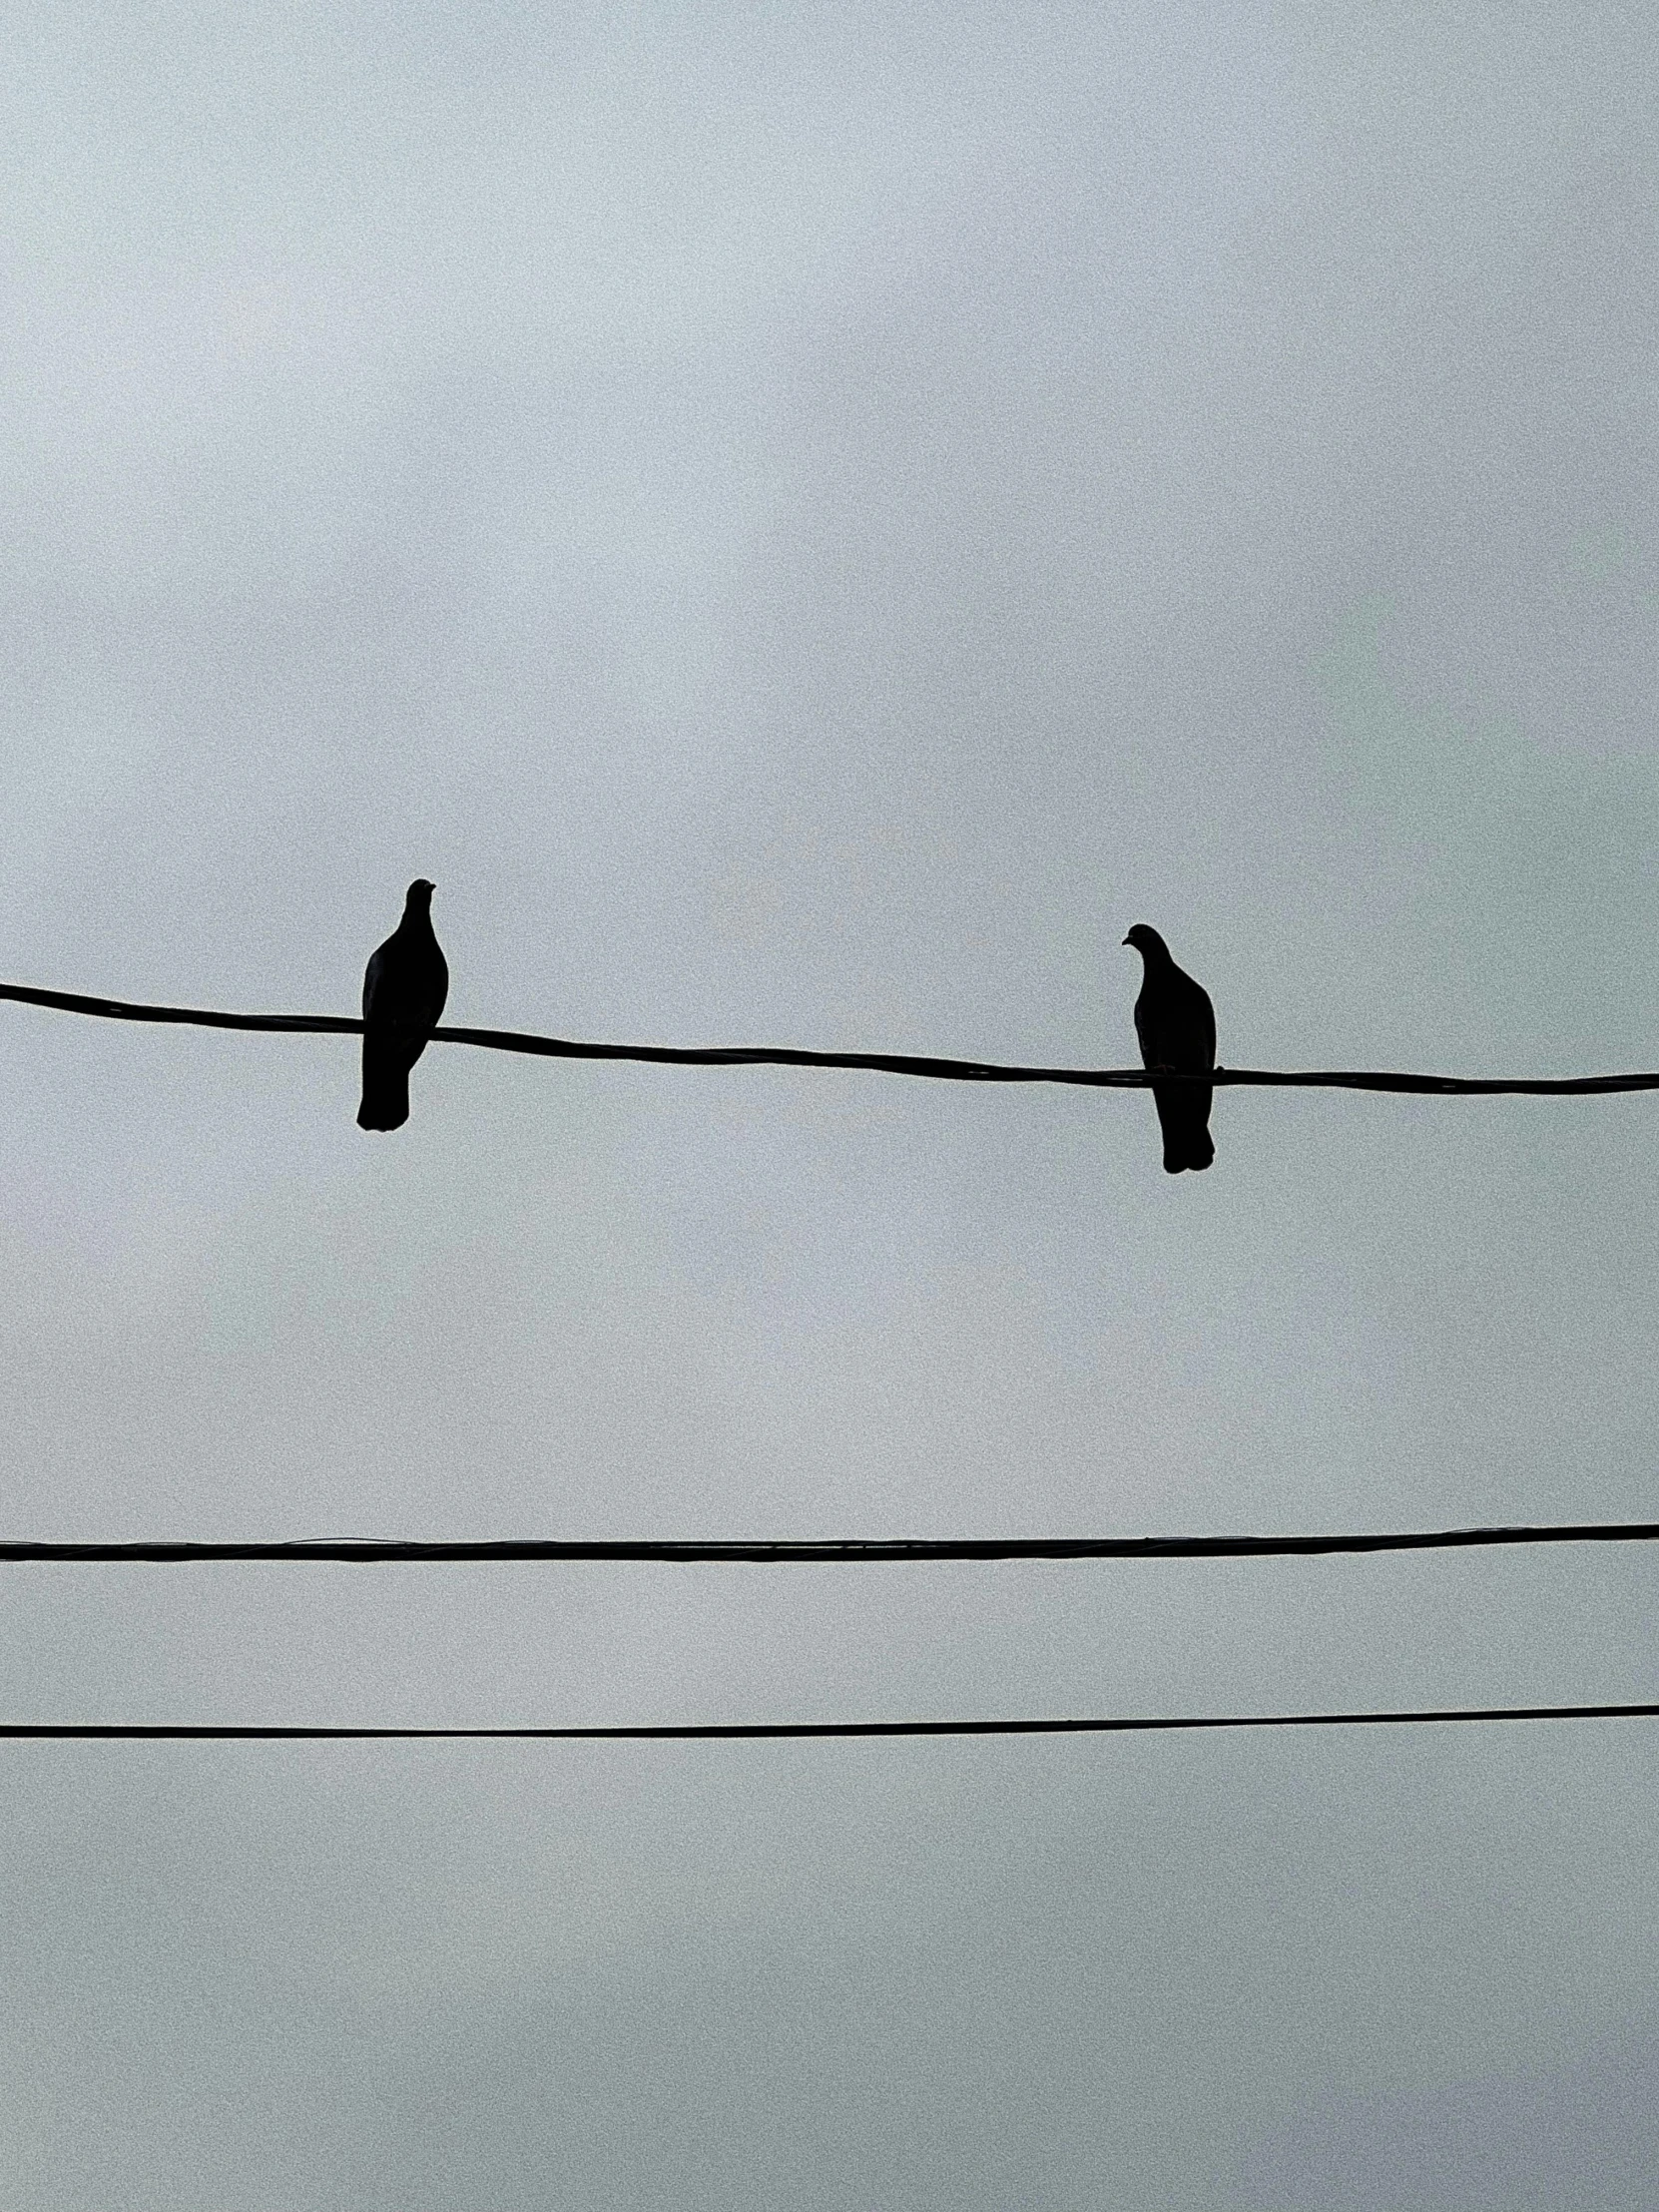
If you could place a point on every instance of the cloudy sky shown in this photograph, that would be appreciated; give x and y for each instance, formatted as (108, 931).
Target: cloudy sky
(807, 522)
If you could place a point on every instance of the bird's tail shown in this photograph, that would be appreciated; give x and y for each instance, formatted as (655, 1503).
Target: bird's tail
(1195, 1149)
(1184, 1117)
(385, 1095)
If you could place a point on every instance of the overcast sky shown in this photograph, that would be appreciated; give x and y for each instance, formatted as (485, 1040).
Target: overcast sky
(807, 522)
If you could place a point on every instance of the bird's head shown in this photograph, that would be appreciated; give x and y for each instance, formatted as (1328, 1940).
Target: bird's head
(1147, 942)
(421, 893)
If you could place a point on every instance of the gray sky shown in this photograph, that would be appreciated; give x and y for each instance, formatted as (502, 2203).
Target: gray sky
(807, 522)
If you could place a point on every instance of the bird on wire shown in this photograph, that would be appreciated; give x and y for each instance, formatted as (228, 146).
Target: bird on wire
(1176, 1025)
(404, 988)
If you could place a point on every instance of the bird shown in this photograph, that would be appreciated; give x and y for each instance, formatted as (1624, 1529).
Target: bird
(404, 988)
(1176, 1025)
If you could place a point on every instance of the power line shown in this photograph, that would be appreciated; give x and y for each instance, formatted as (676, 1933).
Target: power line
(887, 1063)
(849, 1551)
(760, 1731)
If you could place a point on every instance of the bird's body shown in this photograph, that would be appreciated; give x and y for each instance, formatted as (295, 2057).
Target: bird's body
(1176, 1025)
(404, 988)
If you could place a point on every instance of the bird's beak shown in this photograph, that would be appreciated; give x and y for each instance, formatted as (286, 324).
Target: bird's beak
(1126, 941)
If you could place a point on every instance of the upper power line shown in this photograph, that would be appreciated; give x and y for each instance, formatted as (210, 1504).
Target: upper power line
(885, 1063)
(769, 1731)
(839, 1552)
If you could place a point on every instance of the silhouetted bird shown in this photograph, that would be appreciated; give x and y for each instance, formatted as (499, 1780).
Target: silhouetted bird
(404, 988)
(1177, 1027)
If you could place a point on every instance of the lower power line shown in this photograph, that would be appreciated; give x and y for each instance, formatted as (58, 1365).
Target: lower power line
(882, 1063)
(826, 1551)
